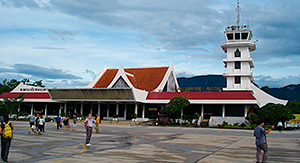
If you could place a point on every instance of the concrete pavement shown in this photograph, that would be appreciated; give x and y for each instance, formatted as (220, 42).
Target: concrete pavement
(117, 143)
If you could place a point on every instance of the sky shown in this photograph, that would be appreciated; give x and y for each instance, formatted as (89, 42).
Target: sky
(66, 43)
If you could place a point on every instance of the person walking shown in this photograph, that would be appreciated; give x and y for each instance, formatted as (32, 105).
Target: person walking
(37, 122)
(74, 124)
(57, 119)
(6, 132)
(31, 123)
(97, 124)
(41, 124)
(89, 129)
(261, 141)
(279, 125)
(67, 123)
(44, 126)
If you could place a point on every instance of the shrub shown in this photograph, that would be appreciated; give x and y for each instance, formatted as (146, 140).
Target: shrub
(253, 118)
(47, 119)
(134, 116)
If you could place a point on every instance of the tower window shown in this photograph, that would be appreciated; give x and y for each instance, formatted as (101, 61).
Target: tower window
(244, 35)
(237, 65)
(237, 80)
(230, 36)
(237, 53)
(237, 36)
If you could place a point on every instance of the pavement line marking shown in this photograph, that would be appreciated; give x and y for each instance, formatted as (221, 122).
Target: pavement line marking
(64, 159)
(219, 149)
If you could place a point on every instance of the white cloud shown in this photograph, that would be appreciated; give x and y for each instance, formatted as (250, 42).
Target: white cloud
(85, 35)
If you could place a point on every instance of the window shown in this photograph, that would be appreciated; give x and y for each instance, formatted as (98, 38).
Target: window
(234, 110)
(237, 65)
(237, 80)
(230, 36)
(244, 35)
(237, 36)
(237, 53)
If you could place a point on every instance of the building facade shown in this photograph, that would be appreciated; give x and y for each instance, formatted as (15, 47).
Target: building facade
(145, 91)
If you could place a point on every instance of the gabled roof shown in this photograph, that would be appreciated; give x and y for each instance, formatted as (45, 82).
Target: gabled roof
(106, 78)
(146, 79)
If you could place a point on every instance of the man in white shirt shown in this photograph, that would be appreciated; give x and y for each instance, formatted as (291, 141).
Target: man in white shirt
(89, 129)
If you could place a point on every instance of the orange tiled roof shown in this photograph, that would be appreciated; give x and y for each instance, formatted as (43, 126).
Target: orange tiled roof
(144, 78)
(147, 78)
(106, 78)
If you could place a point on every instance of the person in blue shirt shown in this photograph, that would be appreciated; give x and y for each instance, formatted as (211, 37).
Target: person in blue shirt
(261, 140)
(57, 119)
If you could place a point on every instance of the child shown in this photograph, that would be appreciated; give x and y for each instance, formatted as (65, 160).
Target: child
(74, 124)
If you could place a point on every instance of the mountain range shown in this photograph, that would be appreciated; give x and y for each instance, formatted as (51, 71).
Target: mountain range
(212, 82)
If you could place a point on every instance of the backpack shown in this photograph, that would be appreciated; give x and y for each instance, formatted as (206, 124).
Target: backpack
(7, 131)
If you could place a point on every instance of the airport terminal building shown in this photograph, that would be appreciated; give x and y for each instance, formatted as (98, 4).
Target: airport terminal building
(144, 91)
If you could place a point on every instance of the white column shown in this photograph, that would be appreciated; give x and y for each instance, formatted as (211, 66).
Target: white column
(19, 108)
(59, 110)
(117, 108)
(65, 108)
(223, 110)
(136, 109)
(246, 110)
(181, 114)
(91, 109)
(31, 110)
(107, 110)
(46, 109)
(81, 108)
(202, 111)
(143, 112)
(99, 108)
(125, 110)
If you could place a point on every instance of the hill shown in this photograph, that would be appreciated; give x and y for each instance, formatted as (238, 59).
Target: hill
(290, 92)
(205, 83)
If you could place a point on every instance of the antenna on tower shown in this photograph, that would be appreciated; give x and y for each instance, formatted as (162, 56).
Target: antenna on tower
(238, 9)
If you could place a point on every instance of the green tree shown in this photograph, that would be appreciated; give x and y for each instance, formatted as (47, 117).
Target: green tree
(265, 88)
(294, 106)
(253, 118)
(11, 105)
(13, 83)
(272, 113)
(174, 107)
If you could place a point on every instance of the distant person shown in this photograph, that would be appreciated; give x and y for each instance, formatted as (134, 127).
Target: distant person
(41, 124)
(44, 126)
(31, 123)
(89, 129)
(97, 124)
(67, 123)
(279, 125)
(74, 124)
(37, 122)
(57, 119)
(261, 141)
(6, 132)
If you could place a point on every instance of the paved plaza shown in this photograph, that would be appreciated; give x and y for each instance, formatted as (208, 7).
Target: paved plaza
(124, 143)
